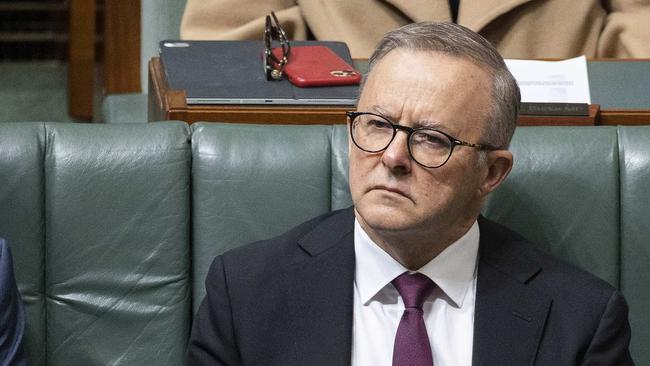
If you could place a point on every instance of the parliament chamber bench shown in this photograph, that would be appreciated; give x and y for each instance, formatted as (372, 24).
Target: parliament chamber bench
(113, 226)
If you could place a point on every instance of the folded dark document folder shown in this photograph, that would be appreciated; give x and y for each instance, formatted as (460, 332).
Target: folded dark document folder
(231, 72)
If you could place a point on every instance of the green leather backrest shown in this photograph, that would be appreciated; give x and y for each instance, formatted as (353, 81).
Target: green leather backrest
(113, 227)
(562, 194)
(22, 221)
(102, 256)
(252, 182)
(634, 145)
(340, 191)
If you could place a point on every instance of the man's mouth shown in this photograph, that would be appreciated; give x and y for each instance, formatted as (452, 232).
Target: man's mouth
(390, 189)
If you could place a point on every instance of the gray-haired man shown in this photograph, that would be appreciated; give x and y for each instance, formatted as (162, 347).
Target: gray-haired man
(412, 274)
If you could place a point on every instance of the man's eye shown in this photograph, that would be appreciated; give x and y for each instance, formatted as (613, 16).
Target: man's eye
(430, 139)
(378, 123)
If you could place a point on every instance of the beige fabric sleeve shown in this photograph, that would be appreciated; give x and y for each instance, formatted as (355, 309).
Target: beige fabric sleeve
(239, 19)
(626, 33)
(359, 23)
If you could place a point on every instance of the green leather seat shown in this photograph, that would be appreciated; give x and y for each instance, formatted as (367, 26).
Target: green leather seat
(22, 222)
(98, 219)
(250, 183)
(113, 227)
(634, 156)
(563, 195)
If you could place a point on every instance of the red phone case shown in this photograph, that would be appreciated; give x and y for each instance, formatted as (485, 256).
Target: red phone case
(318, 66)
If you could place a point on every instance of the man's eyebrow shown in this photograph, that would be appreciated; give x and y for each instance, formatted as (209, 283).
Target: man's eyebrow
(428, 124)
(415, 124)
(381, 111)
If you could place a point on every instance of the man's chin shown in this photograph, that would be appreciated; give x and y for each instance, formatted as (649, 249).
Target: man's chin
(383, 218)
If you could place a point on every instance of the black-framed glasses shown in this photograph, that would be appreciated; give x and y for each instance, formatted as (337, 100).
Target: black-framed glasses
(428, 147)
(275, 35)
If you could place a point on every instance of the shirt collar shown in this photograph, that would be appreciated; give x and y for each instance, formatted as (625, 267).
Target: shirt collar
(453, 270)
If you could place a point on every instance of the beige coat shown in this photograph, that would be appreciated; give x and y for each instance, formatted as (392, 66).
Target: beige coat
(518, 28)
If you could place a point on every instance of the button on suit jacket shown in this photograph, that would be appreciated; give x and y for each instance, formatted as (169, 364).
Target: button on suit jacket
(289, 301)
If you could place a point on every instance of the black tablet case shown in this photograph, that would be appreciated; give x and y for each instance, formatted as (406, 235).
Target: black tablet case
(231, 72)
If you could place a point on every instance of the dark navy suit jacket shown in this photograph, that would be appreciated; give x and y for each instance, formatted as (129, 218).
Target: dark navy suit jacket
(12, 315)
(289, 301)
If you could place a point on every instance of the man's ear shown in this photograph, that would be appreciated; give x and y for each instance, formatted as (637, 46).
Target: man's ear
(498, 165)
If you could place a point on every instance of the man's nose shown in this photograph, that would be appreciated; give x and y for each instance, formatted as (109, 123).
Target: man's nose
(396, 156)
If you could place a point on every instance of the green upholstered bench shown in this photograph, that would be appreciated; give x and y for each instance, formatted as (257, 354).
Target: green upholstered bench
(112, 226)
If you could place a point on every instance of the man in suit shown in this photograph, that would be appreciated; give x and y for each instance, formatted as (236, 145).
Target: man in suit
(12, 315)
(412, 274)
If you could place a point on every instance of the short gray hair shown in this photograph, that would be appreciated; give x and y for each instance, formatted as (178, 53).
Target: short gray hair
(455, 40)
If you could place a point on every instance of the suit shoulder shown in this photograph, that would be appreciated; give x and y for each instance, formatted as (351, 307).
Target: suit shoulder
(256, 270)
(543, 269)
(282, 248)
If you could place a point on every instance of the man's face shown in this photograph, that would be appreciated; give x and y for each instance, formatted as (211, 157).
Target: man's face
(392, 194)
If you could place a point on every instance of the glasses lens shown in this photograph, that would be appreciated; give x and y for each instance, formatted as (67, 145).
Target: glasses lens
(371, 133)
(430, 147)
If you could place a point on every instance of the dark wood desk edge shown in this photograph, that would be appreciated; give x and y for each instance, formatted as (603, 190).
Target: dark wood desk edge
(627, 117)
(166, 104)
(157, 88)
(163, 99)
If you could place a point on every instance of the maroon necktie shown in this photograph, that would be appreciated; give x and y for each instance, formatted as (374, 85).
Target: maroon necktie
(412, 346)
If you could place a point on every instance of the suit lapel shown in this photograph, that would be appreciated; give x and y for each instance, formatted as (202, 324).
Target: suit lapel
(476, 15)
(320, 289)
(509, 315)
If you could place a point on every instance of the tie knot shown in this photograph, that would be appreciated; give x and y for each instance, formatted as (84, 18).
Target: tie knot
(413, 288)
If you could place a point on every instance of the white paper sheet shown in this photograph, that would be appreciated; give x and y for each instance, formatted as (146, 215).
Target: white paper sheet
(552, 81)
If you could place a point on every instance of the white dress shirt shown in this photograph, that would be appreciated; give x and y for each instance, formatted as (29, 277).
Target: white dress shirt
(448, 311)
